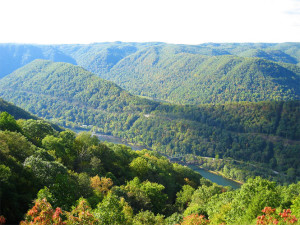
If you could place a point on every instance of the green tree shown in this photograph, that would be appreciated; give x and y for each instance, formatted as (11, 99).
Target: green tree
(7, 122)
(36, 130)
(148, 217)
(184, 197)
(45, 171)
(110, 211)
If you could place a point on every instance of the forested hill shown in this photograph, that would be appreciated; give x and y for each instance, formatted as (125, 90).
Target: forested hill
(14, 56)
(187, 78)
(62, 90)
(15, 111)
(184, 74)
(265, 133)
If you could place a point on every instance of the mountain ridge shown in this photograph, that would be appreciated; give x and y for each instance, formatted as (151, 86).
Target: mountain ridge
(182, 74)
(206, 130)
(194, 79)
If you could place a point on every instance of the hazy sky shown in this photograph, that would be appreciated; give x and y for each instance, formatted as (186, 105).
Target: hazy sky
(172, 21)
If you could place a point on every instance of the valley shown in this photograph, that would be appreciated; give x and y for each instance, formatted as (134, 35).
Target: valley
(232, 108)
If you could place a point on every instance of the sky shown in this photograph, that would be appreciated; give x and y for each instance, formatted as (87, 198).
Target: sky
(171, 21)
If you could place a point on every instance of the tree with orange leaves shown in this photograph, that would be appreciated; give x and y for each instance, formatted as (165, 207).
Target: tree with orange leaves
(81, 214)
(42, 213)
(195, 219)
(101, 185)
(270, 217)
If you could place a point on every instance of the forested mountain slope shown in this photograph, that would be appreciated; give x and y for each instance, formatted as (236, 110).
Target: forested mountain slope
(76, 179)
(14, 56)
(265, 133)
(184, 74)
(278, 52)
(37, 161)
(186, 78)
(15, 111)
(63, 90)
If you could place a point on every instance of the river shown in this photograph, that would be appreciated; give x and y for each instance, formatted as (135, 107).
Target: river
(206, 174)
(216, 178)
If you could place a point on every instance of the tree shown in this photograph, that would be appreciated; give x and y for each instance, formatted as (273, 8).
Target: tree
(194, 219)
(83, 142)
(271, 217)
(148, 217)
(16, 145)
(154, 192)
(184, 197)
(36, 130)
(45, 171)
(101, 185)
(68, 138)
(253, 196)
(81, 214)
(7, 122)
(53, 143)
(42, 213)
(140, 167)
(110, 211)
(296, 206)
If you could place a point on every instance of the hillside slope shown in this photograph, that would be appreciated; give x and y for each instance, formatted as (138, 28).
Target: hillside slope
(62, 90)
(265, 133)
(185, 78)
(14, 56)
(184, 74)
(15, 111)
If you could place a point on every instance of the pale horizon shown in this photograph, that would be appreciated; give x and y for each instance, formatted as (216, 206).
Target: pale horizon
(191, 22)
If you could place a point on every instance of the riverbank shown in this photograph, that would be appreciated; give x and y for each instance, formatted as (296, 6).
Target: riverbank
(221, 174)
(210, 175)
(216, 178)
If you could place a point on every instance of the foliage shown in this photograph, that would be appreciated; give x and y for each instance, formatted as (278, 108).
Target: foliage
(42, 213)
(134, 187)
(161, 72)
(195, 219)
(184, 197)
(7, 122)
(101, 185)
(177, 73)
(148, 217)
(110, 211)
(143, 187)
(243, 131)
(15, 111)
(270, 217)
(36, 130)
(45, 171)
(81, 214)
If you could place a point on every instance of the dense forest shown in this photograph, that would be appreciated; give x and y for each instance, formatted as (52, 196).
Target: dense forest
(266, 133)
(76, 179)
(187, 78)
(231, 108)
(184, 74)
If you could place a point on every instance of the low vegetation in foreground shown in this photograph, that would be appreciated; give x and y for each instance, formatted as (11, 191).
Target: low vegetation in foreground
(58, 177)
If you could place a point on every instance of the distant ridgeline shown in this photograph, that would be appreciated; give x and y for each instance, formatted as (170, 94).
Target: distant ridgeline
(183, 74)
(266, 134)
